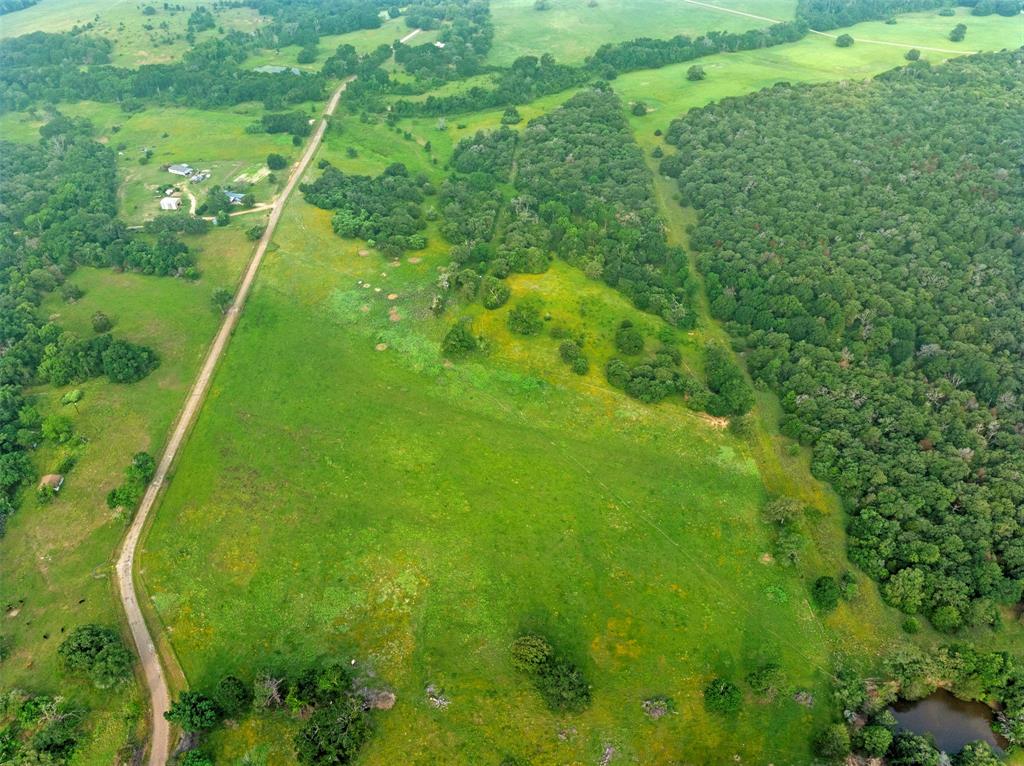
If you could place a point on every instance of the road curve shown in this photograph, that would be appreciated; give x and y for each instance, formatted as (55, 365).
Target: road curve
(159, 695)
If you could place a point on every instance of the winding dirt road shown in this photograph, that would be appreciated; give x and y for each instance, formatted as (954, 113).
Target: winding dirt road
(153, 670)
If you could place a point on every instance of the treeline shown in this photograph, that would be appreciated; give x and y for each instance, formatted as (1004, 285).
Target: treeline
(208, 76)
(10, 6)
(530, 77)
(880, 292)
(830, 14)
(58, 207)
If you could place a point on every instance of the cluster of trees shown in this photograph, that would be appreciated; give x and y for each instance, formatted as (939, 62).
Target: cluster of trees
(579, 168)
(96, 651)
(384, 210)
(296, 123)
(466, 33)
(556, 678)
(870, 729)
(1002, 7)
(35, 728)
(58, 205)
(336, 719)
(136, 476)
(200, 20)
(880, 292)
(207, 76)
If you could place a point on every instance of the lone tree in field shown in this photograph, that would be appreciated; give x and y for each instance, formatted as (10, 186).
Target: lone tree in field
(844, 41)
(696, 72)
(221, 299)
(958, 33)
(639, 109)
(277, 161)
(722, 696)
(912, 55)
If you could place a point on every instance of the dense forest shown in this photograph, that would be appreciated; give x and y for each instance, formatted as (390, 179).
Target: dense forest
(58, 210)
(866, 244)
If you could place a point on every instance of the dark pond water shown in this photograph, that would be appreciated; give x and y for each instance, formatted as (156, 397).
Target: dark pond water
(952, 722)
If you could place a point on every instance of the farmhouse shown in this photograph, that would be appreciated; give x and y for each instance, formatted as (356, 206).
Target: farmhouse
(52, 481)
(235, 198)
(180, 170)
(170, 203)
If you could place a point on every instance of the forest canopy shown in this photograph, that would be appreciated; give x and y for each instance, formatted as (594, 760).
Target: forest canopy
(866, 242)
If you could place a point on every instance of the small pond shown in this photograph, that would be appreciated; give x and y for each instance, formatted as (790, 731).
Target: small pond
(952, 722)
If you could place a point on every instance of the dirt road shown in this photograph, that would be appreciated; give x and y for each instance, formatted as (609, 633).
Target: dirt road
(159, 695)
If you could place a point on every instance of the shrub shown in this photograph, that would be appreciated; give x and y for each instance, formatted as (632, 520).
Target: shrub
(525, 318)
(96, 651)
(722, 696)
(277, 161)
(873, 741)
(530, 652)
(695, 73)
(459, 340)
(766, 679)
(334, 733)
(639, 109)
(101, 322)
(833, 741)
(628, 339)
(580, 365)
(912, 55)
(844, 41)
(194, 711)
(560, 683)
(958, 33)
(493, 292)
(825, 593)
(195, 758)
(71, 292)
(233, 695)
(569, 351)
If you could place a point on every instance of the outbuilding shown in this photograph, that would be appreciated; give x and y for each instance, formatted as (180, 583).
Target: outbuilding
(53, 481)
(170, 203)
(180, 170)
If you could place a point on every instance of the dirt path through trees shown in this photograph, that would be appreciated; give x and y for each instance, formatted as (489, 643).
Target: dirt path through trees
(152, 668)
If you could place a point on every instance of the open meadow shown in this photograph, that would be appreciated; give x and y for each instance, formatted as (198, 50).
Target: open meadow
(571, 30)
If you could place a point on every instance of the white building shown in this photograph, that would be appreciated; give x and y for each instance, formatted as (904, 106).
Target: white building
(170, 203)
(180, 170)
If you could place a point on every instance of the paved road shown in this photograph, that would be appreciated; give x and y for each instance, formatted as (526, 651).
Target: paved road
(159, 695)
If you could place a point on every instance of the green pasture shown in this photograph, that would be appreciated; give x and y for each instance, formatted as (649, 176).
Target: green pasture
(571, 30)
(214, 140)
(390, 506)
(418, 517)
(668, 94)
(124, 22)
(58, 558)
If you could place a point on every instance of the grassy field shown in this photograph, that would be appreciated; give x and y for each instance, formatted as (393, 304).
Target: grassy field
(214, 140)
(388, 506)
(573, 29)
(124, 22)
(57, 558)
